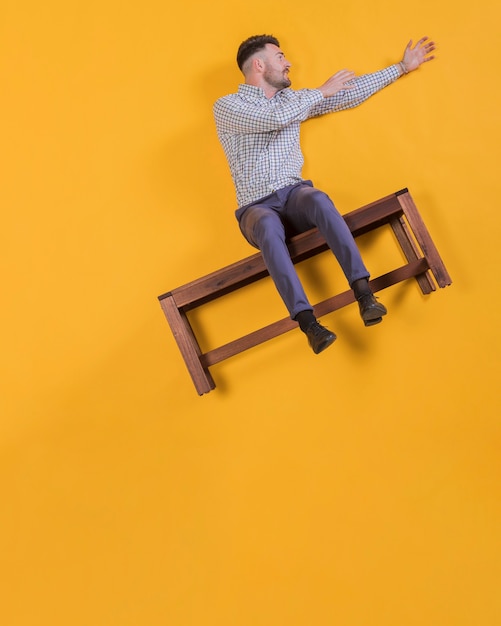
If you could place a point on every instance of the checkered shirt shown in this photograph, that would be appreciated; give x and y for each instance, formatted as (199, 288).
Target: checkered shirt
(260, 136)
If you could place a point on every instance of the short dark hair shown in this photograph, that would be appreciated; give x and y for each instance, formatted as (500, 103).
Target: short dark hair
(251, 45)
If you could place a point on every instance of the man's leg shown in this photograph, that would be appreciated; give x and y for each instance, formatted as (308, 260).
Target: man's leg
(308, 207)
(263, 229)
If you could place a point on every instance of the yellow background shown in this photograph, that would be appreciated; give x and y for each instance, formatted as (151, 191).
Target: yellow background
(359, 487)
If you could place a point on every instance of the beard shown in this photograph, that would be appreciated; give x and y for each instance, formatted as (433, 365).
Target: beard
(277, 80)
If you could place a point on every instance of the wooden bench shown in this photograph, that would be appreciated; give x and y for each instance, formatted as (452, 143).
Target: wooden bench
(398, 210)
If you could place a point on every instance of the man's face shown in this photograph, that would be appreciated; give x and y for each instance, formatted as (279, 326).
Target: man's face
(276, 72)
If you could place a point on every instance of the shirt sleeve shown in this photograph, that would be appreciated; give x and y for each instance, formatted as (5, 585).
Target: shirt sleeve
(365, 87)
(234, 114)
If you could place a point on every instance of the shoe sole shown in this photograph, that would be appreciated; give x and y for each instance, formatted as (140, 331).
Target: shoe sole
(376, 320)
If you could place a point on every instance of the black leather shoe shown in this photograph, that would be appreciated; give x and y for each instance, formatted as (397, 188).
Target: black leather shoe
(371, 310)
(319, 337)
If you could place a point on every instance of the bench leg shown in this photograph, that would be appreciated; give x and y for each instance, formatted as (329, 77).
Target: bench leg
(411, 252)
(188, 345)
(424, 240)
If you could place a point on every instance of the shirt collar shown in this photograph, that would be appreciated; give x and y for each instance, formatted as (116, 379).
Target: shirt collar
(250, 91)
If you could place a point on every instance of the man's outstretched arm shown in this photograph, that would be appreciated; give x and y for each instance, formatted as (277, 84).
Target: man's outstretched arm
(345, 90)
(411, 60)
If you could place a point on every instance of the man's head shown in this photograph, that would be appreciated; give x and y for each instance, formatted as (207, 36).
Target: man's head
(250, 46)
(263, 63)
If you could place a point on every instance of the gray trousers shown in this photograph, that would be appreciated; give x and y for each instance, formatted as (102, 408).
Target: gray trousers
(267, 223)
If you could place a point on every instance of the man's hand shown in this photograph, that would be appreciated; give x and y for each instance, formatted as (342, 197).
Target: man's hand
(414, 57)
(339, 82)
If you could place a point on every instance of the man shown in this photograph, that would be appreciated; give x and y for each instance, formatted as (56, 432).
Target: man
(259, 130)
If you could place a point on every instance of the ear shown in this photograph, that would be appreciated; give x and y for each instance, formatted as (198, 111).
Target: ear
(258, 64)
